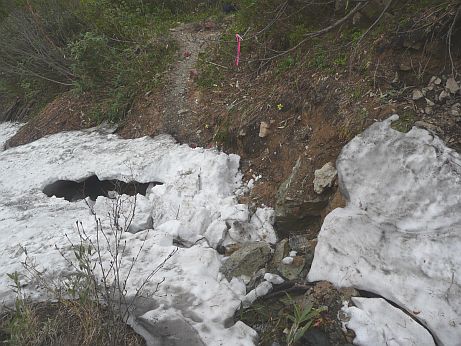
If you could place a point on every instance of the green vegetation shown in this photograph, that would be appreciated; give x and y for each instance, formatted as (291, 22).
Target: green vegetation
(210, 75)
(405, 122)
(114, 50)
(285, 319)
(302, 319)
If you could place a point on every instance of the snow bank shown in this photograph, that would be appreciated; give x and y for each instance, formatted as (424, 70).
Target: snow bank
(400, 234)
(7, 130)
(376, 322)
(198, 191)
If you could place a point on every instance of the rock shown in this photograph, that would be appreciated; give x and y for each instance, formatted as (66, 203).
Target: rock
(274, 279)
(299, 242)
(281, 251)
(167, 328)
(346, 293)
(293, 253)
(430, 127)
(336, 201)
(452, 86)
(455, 112)
(324, 177)
(417, 94)
(256, 279)
(296, 207)
(309, 257)
(428, 110)
(292, 270)
(356, 18)
(429, 102)
(264, 129)
(261, 290)
(443, 95)
(229, 8)
(435, 80)
(246, 260)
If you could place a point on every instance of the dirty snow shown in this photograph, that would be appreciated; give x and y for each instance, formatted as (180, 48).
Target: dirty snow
(400, 234)
(193, 207)
(376, 322)
(7, 130)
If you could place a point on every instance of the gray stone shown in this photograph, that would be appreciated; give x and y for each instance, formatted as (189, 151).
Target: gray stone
(435, 80)
(264, 129)
(299, 243)
(417, 94)
(281, 251)
(247, 260)
(292, 271)
(430, 127)
(170, 331)
(297, 206)
(452, 86)
(324, 177)
(443, 95)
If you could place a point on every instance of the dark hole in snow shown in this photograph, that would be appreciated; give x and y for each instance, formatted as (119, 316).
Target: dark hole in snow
(92, 187)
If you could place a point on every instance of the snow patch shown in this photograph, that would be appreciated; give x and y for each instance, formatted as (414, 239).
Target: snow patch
(376, 322)
(193, 206)
(400, 234)
(7, 130)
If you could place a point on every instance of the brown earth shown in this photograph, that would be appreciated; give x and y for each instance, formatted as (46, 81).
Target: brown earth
(65, 113)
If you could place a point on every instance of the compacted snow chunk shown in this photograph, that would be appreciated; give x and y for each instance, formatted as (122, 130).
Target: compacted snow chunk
(376, 322)
(400, 234)
(198, 193)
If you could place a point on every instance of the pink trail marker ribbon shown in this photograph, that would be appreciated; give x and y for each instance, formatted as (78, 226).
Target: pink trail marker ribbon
(237, 58)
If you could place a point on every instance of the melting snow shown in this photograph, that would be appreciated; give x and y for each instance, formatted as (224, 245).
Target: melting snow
(400, 234)
(7, 130)
(376, 322)
(193, 206)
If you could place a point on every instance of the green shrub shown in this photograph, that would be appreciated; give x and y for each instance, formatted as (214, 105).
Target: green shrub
(93, 61)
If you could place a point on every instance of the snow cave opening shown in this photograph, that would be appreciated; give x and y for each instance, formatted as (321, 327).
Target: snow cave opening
(92, 187)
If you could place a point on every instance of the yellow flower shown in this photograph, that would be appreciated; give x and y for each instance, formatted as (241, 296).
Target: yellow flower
(279, 106)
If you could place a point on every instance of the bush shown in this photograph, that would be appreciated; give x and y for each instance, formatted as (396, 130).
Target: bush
(107, 48)
(34, 63)
(90, 306)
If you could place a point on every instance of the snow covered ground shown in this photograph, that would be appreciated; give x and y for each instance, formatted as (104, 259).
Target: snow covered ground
(400, 234)
(195, 205)
(378, 323)
(7, 130)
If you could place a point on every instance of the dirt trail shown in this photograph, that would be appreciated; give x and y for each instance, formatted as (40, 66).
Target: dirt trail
(170, 110)
(192, 39)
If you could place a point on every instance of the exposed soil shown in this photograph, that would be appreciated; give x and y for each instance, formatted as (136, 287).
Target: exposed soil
(169, 110)
(67, 112)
